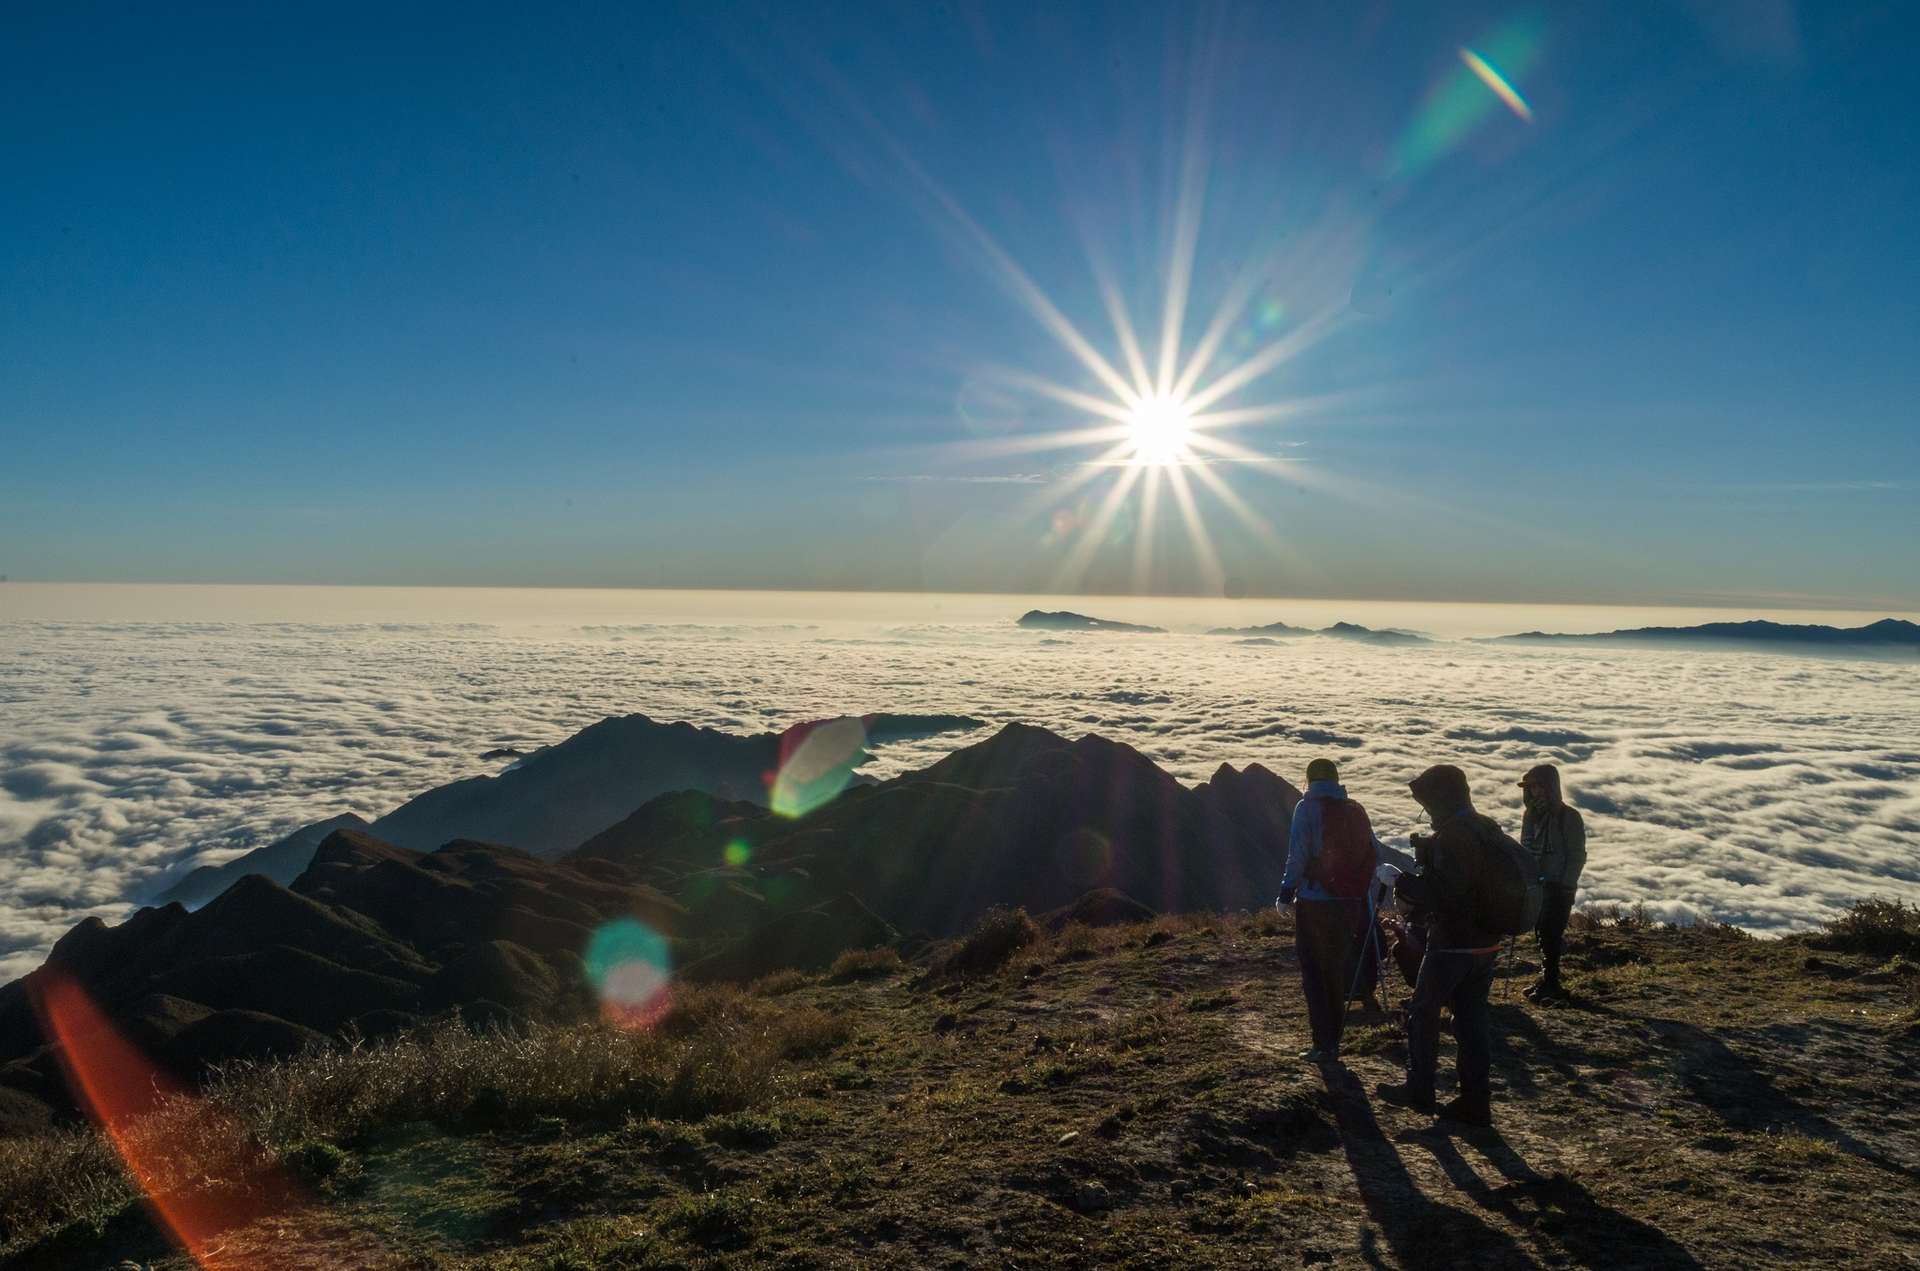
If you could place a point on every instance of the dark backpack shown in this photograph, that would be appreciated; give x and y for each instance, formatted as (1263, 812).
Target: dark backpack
(1509, 893)
(1345, 864)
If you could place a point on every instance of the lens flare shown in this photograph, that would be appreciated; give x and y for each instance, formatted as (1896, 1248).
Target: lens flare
(173, 1157)
(737, 853)
(815, 765)
(1460, 102)
(631, 969)
(1493, 79)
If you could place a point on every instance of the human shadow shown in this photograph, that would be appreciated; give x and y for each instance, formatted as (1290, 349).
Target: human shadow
(1744, 1095)
(1739, 1089)
(1419, 1231)
(1560, 1214)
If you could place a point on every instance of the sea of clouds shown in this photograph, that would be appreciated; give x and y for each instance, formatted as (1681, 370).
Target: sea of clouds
(1766, 790)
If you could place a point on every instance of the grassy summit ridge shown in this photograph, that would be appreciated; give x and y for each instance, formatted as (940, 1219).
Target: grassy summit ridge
(1119, 1095)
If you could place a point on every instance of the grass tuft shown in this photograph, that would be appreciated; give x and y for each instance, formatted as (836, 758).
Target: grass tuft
(780, 983)
(996, 937)
(723, 1219)
(864, 964)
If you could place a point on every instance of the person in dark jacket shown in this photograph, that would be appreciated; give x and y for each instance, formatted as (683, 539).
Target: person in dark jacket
(1329, 928)
(1457, 970)
(1553, 831)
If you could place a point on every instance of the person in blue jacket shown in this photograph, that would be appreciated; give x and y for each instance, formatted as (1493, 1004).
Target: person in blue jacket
(1329, 929)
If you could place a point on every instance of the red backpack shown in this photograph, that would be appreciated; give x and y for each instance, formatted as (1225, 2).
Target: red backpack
(1345, 865)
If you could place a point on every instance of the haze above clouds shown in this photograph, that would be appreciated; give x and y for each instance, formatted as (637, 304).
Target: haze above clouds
(1765, 790)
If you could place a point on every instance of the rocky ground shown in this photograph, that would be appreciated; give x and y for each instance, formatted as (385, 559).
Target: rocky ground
(1130, 1096)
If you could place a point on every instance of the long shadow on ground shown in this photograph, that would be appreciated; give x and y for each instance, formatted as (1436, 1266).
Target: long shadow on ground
(1419, 1231)
(1580, 1228)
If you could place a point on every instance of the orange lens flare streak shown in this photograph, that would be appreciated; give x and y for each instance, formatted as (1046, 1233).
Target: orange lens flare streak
(167, 1155)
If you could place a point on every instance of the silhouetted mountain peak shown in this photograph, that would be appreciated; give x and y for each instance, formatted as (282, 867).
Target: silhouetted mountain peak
(1065, 620)
(561, 796)
(281, 861)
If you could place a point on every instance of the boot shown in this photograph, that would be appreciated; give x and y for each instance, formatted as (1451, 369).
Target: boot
(1405, 1096)
(1470, 1109)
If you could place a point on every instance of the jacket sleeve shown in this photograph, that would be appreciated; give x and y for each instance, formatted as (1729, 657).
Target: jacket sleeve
(1301, 839)
(1573, 852)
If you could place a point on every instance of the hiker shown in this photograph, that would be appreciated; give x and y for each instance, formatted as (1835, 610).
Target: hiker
(1457, 969)
(1331, 856)
(1556, 836)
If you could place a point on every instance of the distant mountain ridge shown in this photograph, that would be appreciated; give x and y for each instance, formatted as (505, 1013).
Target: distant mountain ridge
(372, 937)
(281, 861)
(1065, 620)
(1338, 631)
(1886, 633)
(555, 797)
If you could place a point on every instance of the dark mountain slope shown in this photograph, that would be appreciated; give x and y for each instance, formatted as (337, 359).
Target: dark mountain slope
(281, 861)
(370, 936)
(1023, 818)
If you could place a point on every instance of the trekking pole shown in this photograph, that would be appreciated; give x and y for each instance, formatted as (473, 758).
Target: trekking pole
(1360, 961)
(1380, 967)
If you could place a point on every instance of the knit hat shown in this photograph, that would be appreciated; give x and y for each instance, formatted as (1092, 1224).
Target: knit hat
(1323, 770)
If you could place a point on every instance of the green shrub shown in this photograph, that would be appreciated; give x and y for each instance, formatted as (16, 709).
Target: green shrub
(996, 937)
(1878, 926)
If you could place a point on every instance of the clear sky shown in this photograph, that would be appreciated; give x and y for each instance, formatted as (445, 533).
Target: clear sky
(1565, 302)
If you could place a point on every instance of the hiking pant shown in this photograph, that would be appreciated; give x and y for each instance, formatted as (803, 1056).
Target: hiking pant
(1461, 980)
(1555, 908)
(1327, 934)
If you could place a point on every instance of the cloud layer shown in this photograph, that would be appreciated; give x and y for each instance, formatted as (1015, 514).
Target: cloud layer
(1765, 790)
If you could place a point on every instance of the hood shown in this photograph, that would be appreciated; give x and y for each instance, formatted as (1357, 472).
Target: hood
(1550, 776)
(1324, 789)
(1442, 791)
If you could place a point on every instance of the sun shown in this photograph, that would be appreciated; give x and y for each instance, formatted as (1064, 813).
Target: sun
(1158, 431)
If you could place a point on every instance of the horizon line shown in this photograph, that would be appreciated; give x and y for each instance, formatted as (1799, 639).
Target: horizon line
(1812, 604)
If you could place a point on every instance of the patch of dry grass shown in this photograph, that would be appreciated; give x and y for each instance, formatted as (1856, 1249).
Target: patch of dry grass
(780, 983)
(720, 1050)
(1616, 917)
(864, 964)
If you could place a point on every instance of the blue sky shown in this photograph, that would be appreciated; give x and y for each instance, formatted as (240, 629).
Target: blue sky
(717, 296)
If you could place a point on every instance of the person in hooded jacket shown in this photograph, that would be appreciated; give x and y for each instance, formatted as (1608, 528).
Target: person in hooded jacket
(1329, 914)
(1553, 831)
(1457, 969)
